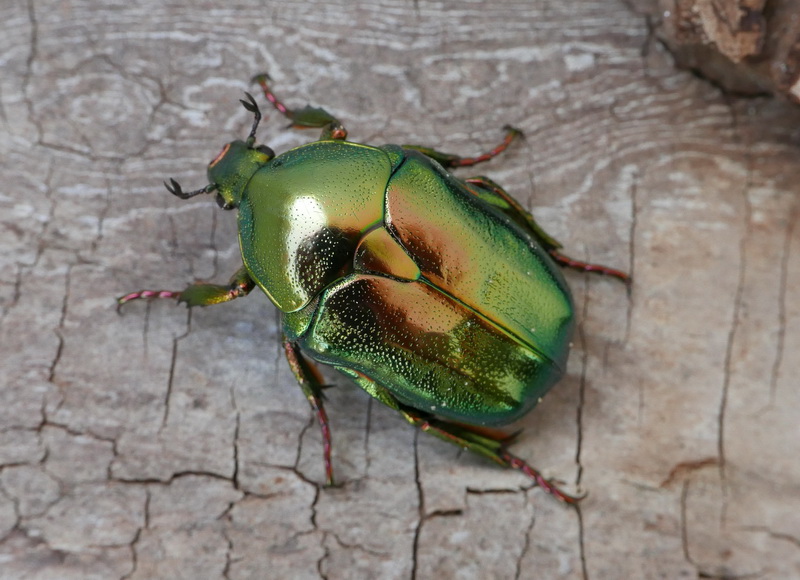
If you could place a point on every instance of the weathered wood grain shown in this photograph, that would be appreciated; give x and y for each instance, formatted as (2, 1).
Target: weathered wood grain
(163, 443)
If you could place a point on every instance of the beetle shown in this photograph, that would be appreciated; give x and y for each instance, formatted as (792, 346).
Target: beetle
(441, 297)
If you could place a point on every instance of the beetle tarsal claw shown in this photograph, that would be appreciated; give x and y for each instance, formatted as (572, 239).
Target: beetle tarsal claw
(261, 77)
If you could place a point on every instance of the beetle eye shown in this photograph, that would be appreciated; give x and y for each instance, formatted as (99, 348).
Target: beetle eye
(266, 151)
(221, 202)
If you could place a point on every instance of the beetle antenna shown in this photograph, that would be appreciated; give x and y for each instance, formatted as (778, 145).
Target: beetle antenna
(175, 189)
(251, 105)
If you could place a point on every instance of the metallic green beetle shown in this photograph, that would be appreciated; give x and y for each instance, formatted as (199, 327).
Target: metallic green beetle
(439, 296)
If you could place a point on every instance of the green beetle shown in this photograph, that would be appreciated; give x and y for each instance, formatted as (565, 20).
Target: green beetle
(439, 296)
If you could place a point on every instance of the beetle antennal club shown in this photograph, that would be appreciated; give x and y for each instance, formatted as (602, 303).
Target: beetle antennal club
(251, 105)
(175, 189)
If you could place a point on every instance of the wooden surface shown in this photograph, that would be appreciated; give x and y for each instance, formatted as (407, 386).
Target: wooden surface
(163, 443)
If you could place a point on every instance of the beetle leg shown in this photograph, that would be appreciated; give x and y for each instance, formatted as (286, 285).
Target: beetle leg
(493, 194)
(568, 262)
(490, 192)
(200, 294)
(306, 118)
(486, 442)
(486, 445)
(451, 160)
(311, 383)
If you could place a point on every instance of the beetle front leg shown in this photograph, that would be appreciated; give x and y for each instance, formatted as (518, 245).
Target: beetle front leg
(306, 118)
(451, 160)
(200, 294)
(311, 383)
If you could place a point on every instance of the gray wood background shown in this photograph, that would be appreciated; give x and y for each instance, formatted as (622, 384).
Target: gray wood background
(163, 443)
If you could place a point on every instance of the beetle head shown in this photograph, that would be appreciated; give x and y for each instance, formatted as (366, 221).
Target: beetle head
(231, 170)
(233, 167)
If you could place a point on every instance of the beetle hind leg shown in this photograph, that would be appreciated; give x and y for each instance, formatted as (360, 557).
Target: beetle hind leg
(486, 442)
(567, 262)
(490, 192)
(306, 118)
